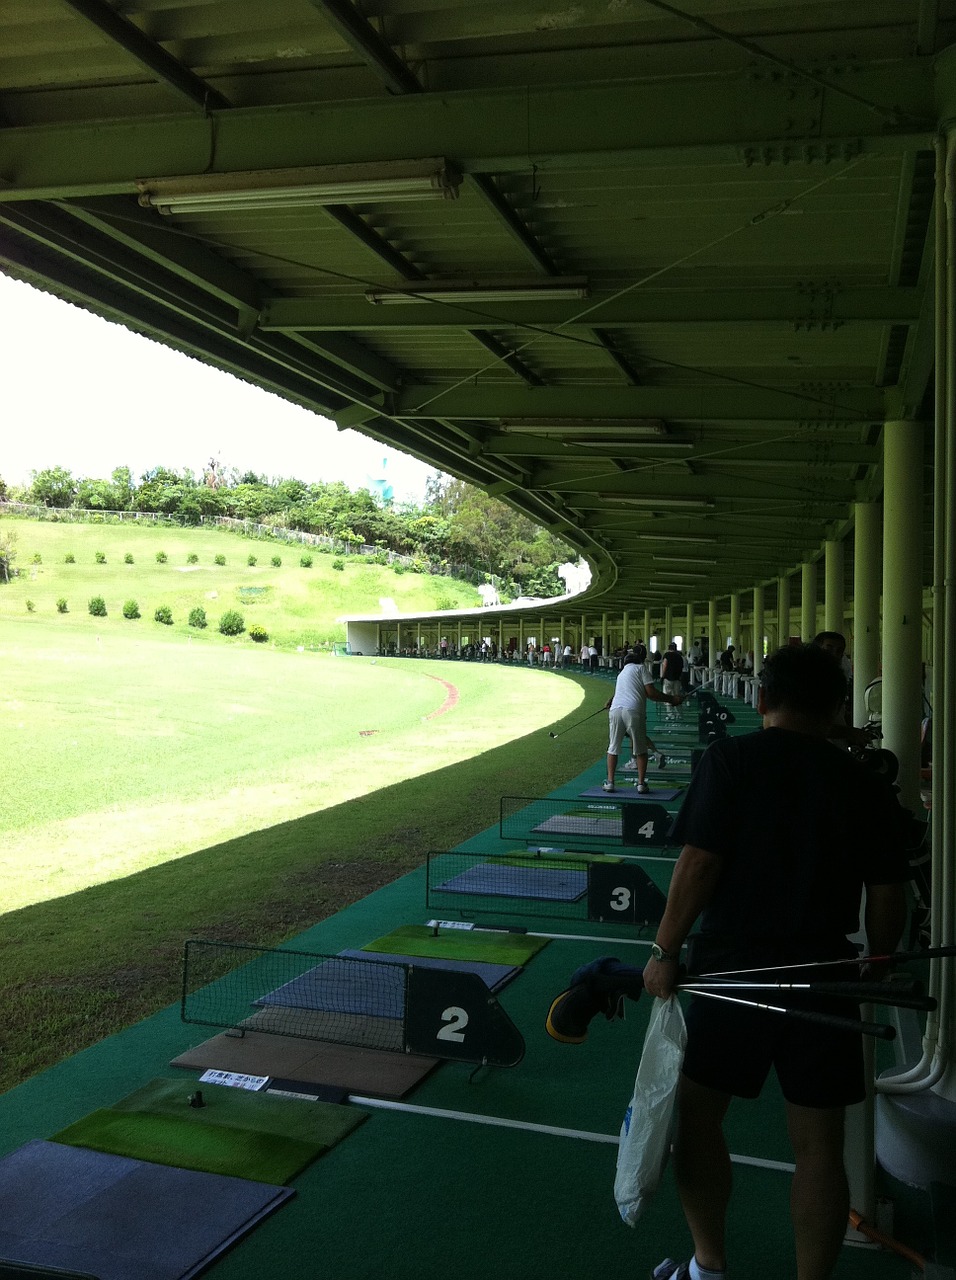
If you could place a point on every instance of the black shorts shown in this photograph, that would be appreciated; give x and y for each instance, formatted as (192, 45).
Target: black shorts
(732, 1049)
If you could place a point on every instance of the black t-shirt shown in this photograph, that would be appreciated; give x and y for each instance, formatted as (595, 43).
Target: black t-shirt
(800, 827)
(672, 666)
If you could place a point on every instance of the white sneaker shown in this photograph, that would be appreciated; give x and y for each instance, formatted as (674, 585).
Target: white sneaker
(630, 766)
(609, 786)
(643, 788)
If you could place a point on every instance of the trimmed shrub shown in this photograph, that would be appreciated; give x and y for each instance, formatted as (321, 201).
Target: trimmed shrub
(61, 605)
(252, 562)
(339, 564)
(305, 561)
(277, 562)
(259, 634)
(232, 623)
(69, 558)
(37, 558)
(197, 618)
(30, 606)
(128, 558)
(164, 615)
(220, 559)
(161, 557)
(131, 609)
(398, 567)
(380, 557)
(192, 558)
(97, 607)
(99, 557)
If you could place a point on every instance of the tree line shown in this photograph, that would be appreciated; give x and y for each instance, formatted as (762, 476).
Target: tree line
(455, 524)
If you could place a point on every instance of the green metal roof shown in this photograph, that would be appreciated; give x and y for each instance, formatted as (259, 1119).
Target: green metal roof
(745, 189)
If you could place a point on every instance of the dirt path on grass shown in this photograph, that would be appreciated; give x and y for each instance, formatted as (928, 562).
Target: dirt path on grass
(450, 702)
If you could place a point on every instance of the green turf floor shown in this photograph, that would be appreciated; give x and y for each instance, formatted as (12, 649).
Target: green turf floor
(415, 1196)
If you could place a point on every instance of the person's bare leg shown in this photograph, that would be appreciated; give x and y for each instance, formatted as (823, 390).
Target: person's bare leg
(819, 1194)
(611, 767)
(702, 1169)
(641, 767)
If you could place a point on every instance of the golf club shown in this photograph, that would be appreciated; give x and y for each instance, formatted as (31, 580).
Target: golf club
(578, 725)
(876, 1029)
(896, 957)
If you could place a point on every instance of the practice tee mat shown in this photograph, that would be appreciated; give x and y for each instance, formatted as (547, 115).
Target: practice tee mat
(122, 1219)
(569, 824)
(357, 1029)
(237, 1133)
(460, 944)
(626, 792)
(341, 987)
(546, 884)
(494, 976)
(368, 1071)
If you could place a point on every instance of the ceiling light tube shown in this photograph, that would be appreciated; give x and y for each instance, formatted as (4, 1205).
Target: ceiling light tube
(289, 188)
(680, 560)
(689, 504)
(623, 427)
(671, 537)
(558, 289)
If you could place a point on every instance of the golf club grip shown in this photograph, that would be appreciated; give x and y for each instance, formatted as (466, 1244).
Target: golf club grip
(876, 1029)
(874, 992)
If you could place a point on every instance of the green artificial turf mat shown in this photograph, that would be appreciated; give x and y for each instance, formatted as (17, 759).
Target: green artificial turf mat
(237, 1132)
(204, 1148)
(459, 944)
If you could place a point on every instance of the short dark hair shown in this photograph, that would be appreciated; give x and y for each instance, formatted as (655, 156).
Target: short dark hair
(630, 659)
(804, 679)
(823, 636)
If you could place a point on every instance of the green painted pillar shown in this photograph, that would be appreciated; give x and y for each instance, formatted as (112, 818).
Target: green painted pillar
(689, 625)
(834, 609)
(713, 638)
(625, 624)
(646, 637)
(668, 626)
(758, 629)
(808, 601)
(735, 619)
(584, 630)
(866, 601)
(903, 600)
(604, 634)
(783, 610)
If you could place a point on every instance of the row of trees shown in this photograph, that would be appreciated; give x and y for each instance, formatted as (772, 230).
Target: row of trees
(456, 524)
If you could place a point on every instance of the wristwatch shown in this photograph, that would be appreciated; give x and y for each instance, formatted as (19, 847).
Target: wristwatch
(663, 956)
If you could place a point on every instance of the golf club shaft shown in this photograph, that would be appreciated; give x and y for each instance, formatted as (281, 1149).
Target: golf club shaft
(862, 992)
(558, 937)
(896, 957)
(561, 732)
(875, 1029)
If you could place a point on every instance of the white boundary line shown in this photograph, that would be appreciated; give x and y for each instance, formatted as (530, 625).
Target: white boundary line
(499, 1122)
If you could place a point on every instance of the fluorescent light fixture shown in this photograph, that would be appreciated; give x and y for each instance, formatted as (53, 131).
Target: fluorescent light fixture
(626, 428)
(290, 188)
(566, 288)
(623, 446)
(671, 575)
(680, 560)
(653, 504)
(670, 537)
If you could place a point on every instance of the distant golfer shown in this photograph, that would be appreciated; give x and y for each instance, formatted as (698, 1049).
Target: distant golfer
(628, 715)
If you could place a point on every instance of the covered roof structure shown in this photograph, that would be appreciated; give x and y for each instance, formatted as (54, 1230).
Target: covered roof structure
(655, 275)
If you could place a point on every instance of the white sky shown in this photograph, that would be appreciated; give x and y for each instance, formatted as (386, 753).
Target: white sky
(84, 394)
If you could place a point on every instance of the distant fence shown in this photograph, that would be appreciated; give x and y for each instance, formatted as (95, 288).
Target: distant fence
(249, 529)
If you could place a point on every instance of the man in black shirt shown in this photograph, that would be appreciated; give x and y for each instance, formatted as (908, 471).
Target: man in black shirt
(781, 831)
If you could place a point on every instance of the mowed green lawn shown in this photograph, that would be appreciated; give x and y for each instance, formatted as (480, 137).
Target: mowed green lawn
(121, 750)
(296, 605)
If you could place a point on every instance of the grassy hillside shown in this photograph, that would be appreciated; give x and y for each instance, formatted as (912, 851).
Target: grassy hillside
(158, 788)
(298, 606)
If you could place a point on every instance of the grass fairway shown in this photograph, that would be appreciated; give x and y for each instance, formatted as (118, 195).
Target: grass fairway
(158, 788)
(297, 606)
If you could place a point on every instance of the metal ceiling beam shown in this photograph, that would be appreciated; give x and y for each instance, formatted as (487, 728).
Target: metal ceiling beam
(360, 36)
(702, 404)
(761, 452)
(688, 120)
(809, 306)
(150, 54)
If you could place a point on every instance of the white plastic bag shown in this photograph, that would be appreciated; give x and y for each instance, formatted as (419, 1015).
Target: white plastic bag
(648, 1121)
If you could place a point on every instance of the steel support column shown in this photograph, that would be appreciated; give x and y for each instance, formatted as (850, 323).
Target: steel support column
(808, 601)
(902, 600)
(783, 610)
(758, 627)
(834, 611)
(866, 601)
